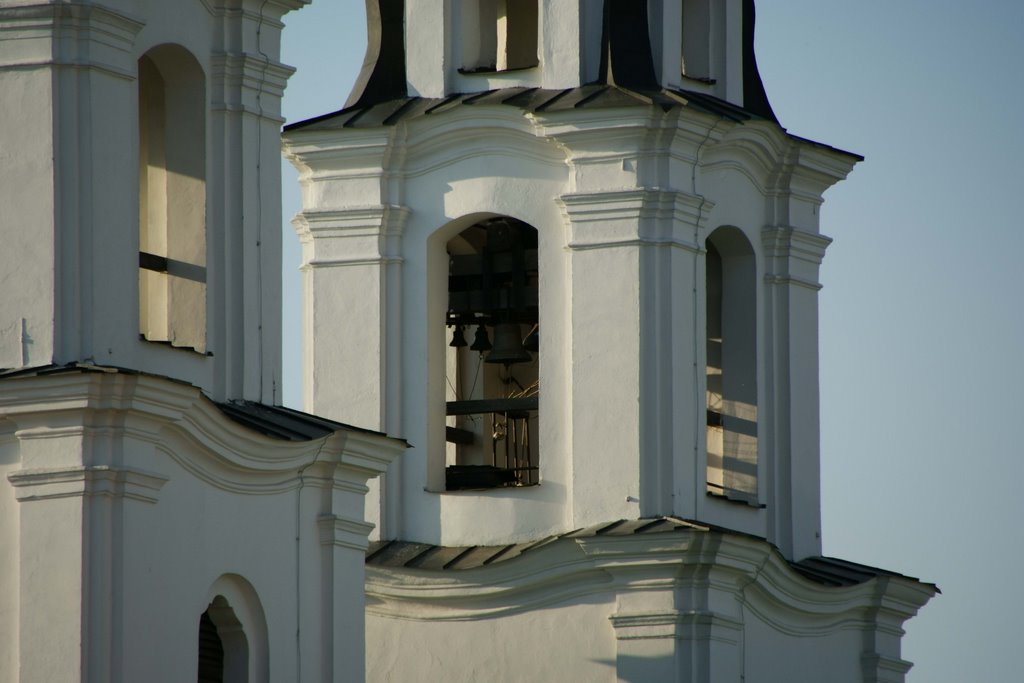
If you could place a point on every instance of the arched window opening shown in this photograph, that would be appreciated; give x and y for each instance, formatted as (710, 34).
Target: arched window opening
(499, 35)
(223, 647)
(493, 357)
(697, 40)
(172, 198)
(731, 366)
(211, 652)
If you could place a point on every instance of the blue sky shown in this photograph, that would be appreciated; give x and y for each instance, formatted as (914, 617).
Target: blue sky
(922, 327)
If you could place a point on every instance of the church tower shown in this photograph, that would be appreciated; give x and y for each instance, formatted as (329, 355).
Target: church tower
(162, 517)
(579, 174)
(567, 251)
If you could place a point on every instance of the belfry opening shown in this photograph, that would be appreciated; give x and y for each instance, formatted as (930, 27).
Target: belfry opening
(493, 356)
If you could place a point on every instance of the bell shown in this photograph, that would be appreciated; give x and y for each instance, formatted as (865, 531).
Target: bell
(508, 345)
(480, 342)
(458, 338)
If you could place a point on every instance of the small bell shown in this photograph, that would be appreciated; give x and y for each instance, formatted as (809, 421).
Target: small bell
(480, 342)
(458, 338)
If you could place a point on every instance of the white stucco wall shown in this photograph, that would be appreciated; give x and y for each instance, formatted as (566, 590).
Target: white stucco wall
(623, 200)
(69, 172)
(701, 608)
(130, 502)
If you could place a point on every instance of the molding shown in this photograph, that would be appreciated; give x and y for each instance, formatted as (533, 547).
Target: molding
(652, 214)
(72, 35)
(357, 221)
(76, 482)
(672, 624)
(344, 533)
(881, 669)
(744, 571)
(177, 420)
(789, 242)
(255, 11)
(788, 249)
(251, 71)
(358, 235)
(791, 280)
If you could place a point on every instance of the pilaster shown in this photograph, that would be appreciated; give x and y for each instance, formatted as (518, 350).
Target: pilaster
(792, 259)
(58, 64)
(70, 552)
(350, 338)
(626, 375)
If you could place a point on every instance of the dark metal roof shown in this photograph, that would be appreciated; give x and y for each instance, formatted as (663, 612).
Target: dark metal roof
(626, 56)
(382, 76)
(283, 423)
(426, 557)
(596, 96)
(276, 422)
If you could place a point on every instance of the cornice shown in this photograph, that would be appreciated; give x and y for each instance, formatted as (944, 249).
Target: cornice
(672, 624)
(434, 142)
(752, 149)
(652, 215)
(68, 34)
(182, 424)
(252, 71)
(77, 482)
(344, 533)
(353, 221)
(786, 241)
(749, 570)
(330, 155)
(351, 236)
(254, 9)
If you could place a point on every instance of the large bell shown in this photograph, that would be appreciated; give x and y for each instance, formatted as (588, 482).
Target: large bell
(508, 345)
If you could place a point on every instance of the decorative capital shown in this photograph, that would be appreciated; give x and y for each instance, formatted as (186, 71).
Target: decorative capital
(72, 482)
(344, 533)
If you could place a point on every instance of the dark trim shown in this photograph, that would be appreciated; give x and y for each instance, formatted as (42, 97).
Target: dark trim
(152, 262)
(382, 77)
(755, 99)
(491, 405)
(459, 436)
(173, 267)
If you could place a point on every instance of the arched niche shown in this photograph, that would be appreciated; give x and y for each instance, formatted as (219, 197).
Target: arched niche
(731, 336)
(232, 643)
(172, 197)
(487, 298)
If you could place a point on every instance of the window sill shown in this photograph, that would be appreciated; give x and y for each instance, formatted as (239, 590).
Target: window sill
(704, 80)
(736, 498)
(482, 478)
(491, 71)
(170, 345)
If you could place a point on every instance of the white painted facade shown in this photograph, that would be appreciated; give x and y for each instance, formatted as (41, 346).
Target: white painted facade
(665, 224)
(623, 200)
(71, 139)
(651, 607)
(131, 502)
(139, 186)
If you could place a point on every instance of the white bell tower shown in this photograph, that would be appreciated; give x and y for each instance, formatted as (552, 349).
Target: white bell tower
(145, 137)
(162, 517)
(611, 182)
(566, 250)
